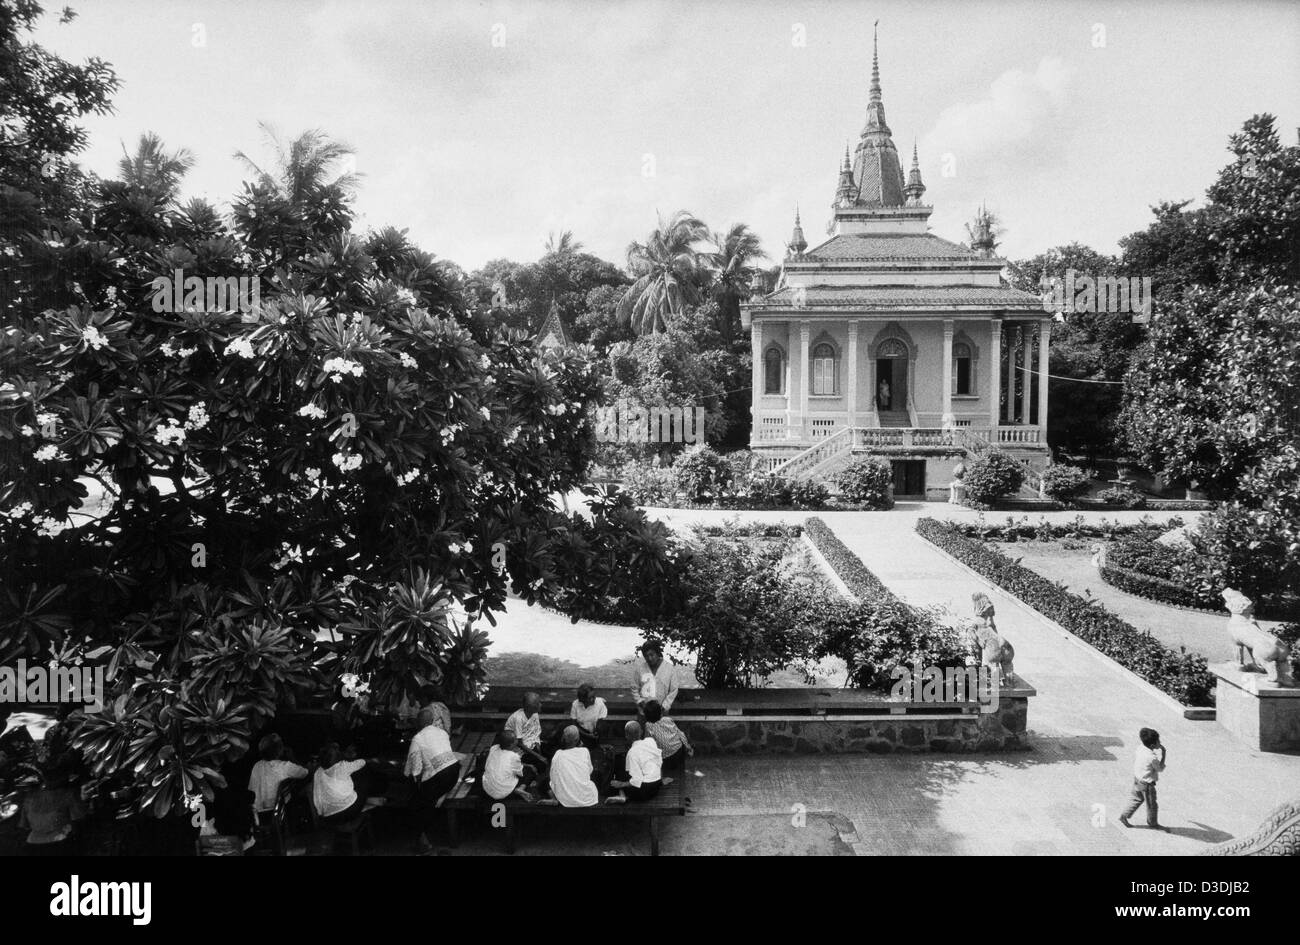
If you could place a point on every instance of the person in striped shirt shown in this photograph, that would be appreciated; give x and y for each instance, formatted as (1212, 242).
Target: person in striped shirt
(672, 741)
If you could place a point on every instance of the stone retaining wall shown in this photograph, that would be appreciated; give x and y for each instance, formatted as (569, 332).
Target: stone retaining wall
(1003, 730)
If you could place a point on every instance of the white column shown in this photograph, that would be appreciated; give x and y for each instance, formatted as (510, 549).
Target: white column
(949, 421)
(756, 395)
(1044, 337)
(1027, 392)
(793, 377)
(805, 379)
(853, 376)
(1011, 373)
(995, 365)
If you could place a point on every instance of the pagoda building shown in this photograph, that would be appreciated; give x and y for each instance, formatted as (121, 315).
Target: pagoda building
(888, 339)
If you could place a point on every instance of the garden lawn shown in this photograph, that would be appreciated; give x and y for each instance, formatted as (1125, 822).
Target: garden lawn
(1200, 632)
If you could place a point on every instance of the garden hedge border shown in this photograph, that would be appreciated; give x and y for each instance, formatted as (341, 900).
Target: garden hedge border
(1182, 675)
(857, 577)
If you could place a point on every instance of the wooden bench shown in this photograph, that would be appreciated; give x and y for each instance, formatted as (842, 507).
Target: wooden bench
(669, 802)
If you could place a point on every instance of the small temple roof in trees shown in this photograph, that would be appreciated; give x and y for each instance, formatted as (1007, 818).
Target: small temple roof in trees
(552, 333)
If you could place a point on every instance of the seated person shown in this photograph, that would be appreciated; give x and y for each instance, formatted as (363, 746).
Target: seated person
(587, 710)
(333, 793)
(643, 768)
(672, 741)
(526, 725)
(571, 770)
(504, 772)
(270, 772)
(50, 814)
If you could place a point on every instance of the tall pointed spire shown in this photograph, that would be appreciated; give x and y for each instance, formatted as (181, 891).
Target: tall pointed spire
(915, 187)
(877, 171)
(846, 192)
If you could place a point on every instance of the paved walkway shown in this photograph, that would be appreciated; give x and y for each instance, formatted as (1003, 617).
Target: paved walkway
(1060, 797)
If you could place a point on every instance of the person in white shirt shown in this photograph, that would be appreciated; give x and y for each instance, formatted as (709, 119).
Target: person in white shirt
(526, 725)
(504, 772)
(1147, 765)
(642, 773)
(653, 677)
(333, 793)
(587, 710)
(571, 770)
(434, 768)
(269, 773)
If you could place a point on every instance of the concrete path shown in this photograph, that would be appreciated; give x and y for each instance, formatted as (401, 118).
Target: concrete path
(1061, 797)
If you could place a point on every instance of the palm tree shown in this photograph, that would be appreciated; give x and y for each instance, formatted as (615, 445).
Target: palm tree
(667, 271)
(152, 169)
(564, 245)
(304, 165)
(733, 273)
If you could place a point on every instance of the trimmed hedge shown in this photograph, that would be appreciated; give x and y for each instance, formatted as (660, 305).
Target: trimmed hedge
(1182, 675)
(737, 529)
(877, 632)
(855, 575)
(1043, 530)
(1149, 569)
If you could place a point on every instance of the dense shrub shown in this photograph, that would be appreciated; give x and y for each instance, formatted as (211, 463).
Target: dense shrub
(767, 490)
(809, 494)
(991, 476)
(1182, 675)
(874, 636)
(1064, 483)
(1256, 559)
(702, 474)
(648, 484)
(868, 481)
(743, 618)
(1122, 496)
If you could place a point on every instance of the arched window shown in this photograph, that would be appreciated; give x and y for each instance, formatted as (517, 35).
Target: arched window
(773, 373)
(824, 374)
(961, 368)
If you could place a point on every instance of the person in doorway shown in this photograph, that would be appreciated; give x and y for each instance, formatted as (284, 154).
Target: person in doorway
(883, 399)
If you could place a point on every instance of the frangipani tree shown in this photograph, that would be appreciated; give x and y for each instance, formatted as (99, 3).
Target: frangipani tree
(346, 446)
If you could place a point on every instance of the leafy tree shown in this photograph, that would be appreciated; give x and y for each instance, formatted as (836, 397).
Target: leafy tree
(1089, 352)
(1216, 390)
(521, 294)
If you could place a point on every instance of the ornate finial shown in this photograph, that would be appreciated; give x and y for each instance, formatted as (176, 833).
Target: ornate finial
(847, 163)
(915, 164)
(875, 62)
(915, 187)
(797, 243)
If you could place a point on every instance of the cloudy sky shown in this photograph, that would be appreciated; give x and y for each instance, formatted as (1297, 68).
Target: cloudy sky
(482, 126)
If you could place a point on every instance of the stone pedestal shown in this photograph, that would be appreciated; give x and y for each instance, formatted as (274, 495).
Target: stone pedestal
(1264, 716)
(956, 492)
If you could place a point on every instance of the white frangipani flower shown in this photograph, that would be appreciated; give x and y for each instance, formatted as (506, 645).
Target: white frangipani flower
(242, 347)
